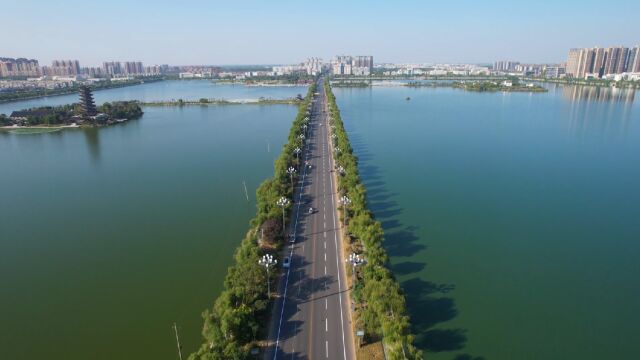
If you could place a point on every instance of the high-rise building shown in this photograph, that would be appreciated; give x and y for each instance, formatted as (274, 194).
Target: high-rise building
(112, 68)
(133, 68)
(616, 59)
(352, 65)
(19, 67)
(633, 63)
(505, 65)
(64, 68)
(86, 102)
(572, 62)
(599, 62)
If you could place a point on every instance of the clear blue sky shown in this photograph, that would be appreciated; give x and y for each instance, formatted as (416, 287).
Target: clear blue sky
(268, 32)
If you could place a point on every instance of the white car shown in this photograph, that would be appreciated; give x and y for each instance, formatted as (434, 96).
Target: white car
(310, 210)
(286, 262)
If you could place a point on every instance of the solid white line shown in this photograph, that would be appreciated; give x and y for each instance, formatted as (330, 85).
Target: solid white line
(335, 239)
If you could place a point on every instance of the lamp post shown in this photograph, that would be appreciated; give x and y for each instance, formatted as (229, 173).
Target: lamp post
(340, 170)
(345, 201)
(355, 260)
(297, 151)
(291, 170)
(282, 202)
(267, 261)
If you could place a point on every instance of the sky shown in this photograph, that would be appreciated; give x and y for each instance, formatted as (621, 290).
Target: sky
(284, 32)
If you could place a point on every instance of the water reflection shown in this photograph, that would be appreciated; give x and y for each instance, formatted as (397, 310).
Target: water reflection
(93, 142)
(600, 111)
(595, 93)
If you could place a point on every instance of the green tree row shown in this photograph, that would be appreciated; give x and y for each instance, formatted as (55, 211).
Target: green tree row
(381, 309)
(239, 315)
(64, 114)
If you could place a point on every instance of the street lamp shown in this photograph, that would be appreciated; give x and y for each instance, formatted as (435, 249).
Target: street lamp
(301, 136)
(345, 201)
(355, 260)
(267, 261)
(337, 149)
(340, 170)
(297, 151)
(282, 202)
(291, 170)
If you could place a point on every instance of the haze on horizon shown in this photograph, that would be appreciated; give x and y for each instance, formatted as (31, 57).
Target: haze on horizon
(258, 32)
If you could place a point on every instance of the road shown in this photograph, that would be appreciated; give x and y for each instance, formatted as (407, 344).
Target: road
(311, 318)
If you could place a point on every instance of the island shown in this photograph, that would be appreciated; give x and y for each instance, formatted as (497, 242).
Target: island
(84, 113)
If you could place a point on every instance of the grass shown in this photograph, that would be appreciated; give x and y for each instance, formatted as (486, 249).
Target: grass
(371, 351)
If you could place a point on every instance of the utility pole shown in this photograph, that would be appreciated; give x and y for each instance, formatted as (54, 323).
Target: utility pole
(175, 328)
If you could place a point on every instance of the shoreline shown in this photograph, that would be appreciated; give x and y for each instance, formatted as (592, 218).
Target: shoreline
(75, 91)
(215, 102)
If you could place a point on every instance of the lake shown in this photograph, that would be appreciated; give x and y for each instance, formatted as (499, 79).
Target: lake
(108, 236)
(166, 90)
(511, 219)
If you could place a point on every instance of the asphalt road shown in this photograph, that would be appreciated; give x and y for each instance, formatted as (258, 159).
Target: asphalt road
(311, 318)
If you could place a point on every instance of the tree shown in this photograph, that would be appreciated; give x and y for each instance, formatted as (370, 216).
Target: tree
(271, 230)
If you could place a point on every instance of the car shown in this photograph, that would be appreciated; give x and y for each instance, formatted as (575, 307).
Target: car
(286, 263)
(310, 210)
(292, 237)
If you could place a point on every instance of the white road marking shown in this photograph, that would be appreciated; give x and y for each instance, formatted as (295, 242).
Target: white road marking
(326, 347)
(326, 303)
(326, 325)
(325, 270)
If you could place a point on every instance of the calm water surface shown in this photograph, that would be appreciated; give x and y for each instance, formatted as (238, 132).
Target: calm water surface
(166, 90)
(511, 219)
(108, 236)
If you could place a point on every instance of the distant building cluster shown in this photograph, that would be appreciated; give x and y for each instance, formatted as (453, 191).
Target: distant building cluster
(352, 65)
(602, 62)
(20, 67)
(505, 65)
(311, 66)
(432, 69)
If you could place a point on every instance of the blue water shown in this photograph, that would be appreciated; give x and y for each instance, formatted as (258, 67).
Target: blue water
(511, 218)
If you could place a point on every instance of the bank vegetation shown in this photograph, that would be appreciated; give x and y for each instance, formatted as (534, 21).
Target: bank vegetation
(381, 307)
(238, 318)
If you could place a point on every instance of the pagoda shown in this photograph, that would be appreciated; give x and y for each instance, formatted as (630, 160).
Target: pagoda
(86, 102)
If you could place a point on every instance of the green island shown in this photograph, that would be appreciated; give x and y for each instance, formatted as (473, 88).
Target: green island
(71, 115)
(7, 96)
(206, 102)
(380, 303)
(239, 316)
(512, 85)
(347, 83)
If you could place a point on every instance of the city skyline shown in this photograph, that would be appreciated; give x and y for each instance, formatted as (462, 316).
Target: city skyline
(406, 31)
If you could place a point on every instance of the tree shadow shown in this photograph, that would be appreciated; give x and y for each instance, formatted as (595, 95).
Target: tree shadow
(429, 304)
